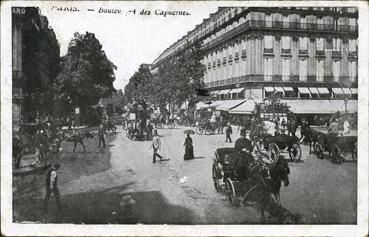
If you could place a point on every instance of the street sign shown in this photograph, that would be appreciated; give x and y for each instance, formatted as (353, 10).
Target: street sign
(76, 110)
(132, 116)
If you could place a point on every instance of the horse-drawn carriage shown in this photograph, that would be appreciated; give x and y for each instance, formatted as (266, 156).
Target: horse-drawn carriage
(282, 142)
(268, 132)
(257, 178)
(31, 148)
(335, 146)
(209, 127)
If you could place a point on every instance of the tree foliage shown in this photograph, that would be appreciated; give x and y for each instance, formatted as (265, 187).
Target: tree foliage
(140, 84)
(176, 81)
(86, 73)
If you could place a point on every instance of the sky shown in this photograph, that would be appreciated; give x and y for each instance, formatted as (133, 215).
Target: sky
(128, 39)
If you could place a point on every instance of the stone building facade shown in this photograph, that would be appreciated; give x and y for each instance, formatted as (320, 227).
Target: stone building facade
(301, 52)
(35, 59)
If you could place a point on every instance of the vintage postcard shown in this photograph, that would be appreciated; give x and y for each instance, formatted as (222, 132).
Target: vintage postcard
(184, 118)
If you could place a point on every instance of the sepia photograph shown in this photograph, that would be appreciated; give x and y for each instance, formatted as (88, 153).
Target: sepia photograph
(184, 113)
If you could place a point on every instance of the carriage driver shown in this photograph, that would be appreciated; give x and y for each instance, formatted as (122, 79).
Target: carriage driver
(244, 147)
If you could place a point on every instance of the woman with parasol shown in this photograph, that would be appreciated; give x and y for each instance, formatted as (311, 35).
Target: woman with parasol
(188, 145)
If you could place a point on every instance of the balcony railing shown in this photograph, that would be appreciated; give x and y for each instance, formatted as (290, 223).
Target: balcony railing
(280, 25)
(286, 51)
(320, 53)
(268, 50)
(303, 51)
(336, 54)
(352, 54)
(280, 78)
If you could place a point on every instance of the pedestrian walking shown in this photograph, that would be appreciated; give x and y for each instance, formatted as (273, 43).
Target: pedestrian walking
(156, 145)
(228, 133)
(52, 187)
(188, 148)
(101, 133)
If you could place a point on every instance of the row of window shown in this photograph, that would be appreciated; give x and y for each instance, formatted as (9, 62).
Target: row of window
(303, 66)
(321, 44)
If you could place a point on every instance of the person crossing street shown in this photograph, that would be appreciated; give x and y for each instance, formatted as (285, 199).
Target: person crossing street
(101, 134)
(52, 187)
(228, 133)
(156, 145)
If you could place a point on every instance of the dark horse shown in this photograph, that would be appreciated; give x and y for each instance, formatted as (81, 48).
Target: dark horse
(78, 138)
(266, 181)
(311, 137)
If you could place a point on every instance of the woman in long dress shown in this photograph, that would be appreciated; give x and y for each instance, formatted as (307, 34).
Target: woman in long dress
(188, 148)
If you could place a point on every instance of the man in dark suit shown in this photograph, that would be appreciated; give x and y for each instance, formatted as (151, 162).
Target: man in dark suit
(244, 148)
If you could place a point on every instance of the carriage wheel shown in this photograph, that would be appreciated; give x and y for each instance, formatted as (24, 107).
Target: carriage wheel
(295, 151)
(231, 192)
(274, 151)
(208, 131)
(215, 177)
(199, 130)
(354, 152)
(319, 151)
(256, 149)
(314, 146)
(336, 155)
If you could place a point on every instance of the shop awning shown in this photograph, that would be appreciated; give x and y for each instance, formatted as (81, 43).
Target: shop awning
(346, 91)
(224, 92)
(269, 89)
(237, 90)
(248, 107)
(339, 105)
(338, 91)
(279, 89)
(229, 104)
(354, 91)
(314, 90)
(320, 106)
(214, 92)
(323, 90)
(309, 106)
(287, 88)
(304, 90)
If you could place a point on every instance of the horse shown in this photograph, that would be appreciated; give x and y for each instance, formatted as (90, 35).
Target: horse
(78, 138)
(110, 127)
(266, 181)
(311, 137)
(279, 172)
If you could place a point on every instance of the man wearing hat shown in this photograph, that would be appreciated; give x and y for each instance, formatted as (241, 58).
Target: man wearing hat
(52, 186)
(244, 148)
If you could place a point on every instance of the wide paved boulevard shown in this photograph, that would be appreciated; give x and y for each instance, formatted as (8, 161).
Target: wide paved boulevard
(120, 184)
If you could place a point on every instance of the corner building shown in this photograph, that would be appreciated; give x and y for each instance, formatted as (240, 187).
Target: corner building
(301, 53)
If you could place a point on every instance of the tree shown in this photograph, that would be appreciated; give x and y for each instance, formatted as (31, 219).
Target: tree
(140, 85)
(180, 75)
(86, 73)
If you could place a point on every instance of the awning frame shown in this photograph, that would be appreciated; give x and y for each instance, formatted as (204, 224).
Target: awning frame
(304, 90)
